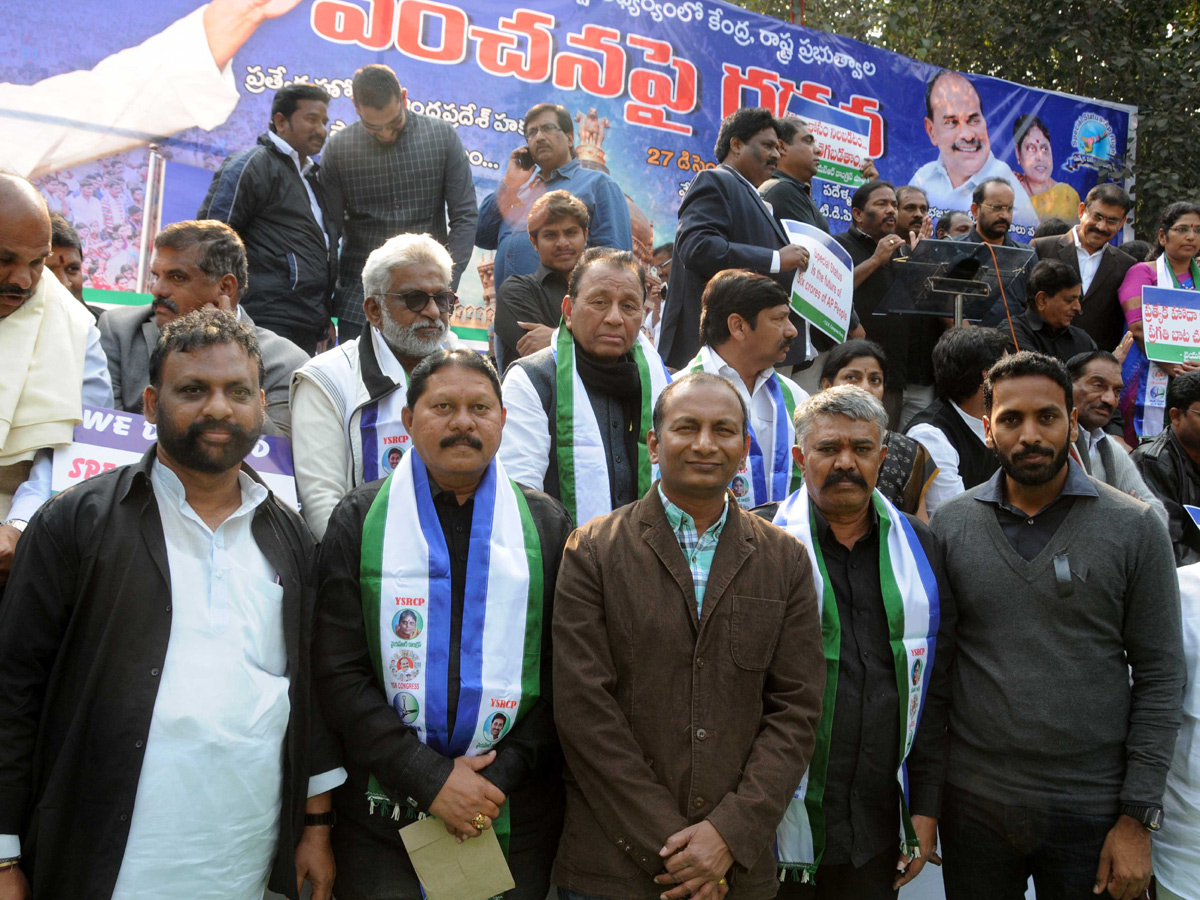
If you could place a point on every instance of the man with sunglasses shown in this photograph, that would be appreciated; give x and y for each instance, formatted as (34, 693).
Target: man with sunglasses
(547, 162)
(347, 402)
(1101, 266)
(393, 172)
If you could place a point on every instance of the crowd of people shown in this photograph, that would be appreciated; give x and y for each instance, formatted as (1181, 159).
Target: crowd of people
(746, 612)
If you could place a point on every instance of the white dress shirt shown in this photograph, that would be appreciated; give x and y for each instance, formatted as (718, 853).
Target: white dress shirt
(762, 410)
(206, 815)
(97, 391)
(947, 484)
(1088, 262)
(290, 151)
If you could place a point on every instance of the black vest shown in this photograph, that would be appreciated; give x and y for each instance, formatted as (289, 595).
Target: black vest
(622, 471)
(976, 463)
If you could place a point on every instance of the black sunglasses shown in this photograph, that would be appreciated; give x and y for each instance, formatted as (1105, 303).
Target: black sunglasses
(418, 300)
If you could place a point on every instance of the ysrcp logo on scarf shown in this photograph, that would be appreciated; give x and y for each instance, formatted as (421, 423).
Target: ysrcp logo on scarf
(1094, 143)
(406, 707)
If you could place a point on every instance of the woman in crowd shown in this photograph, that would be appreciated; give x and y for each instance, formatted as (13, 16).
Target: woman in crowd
(908, 469)
(1175, 267)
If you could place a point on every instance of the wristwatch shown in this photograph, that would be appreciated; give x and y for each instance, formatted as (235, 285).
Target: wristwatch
(18, 524)
(1150, 816)
(326, 818)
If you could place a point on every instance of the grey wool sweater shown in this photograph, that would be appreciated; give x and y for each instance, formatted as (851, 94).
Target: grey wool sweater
(1043, 712)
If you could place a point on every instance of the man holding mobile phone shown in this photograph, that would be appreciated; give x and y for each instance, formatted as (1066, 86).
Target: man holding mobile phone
(547, 162)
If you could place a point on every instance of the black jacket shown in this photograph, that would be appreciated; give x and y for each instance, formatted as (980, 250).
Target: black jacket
(292, 270)
(84, 627)
(1175, 480)
(723, 224)
(528, 764)
(976, 463)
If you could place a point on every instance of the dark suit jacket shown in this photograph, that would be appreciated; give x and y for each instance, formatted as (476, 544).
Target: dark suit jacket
(668, 718)
(128, 335)
(1101, 316)
(723, 224)
(84, 629)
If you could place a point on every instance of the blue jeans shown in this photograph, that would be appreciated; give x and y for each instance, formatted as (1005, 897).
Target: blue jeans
(990, 849)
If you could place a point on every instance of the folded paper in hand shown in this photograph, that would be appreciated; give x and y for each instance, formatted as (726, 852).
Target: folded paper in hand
(473, 870)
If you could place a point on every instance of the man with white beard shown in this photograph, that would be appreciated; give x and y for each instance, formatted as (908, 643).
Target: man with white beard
(346, 402)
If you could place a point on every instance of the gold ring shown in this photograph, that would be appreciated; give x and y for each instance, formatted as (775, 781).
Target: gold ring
(479, 821)
(722, 881)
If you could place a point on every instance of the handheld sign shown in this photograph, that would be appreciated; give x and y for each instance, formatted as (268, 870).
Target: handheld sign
(844, 139)
(824, 295)
(108, 438)
(1171, 324)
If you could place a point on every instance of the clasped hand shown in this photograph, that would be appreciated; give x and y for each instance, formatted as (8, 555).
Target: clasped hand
(696, 860)
(467, 794)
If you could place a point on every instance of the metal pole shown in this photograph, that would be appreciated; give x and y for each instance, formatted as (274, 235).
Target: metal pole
(958, 310)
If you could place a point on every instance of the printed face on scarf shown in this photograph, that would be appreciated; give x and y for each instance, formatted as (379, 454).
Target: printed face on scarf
(456, 425)
(607, 314)
(841, 458)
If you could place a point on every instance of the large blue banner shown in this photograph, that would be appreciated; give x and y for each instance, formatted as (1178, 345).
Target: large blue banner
(646, 81)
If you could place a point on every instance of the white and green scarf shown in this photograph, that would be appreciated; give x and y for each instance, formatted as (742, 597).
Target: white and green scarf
(910, 598)
(582, 458)
(762, 479)
(405, 587)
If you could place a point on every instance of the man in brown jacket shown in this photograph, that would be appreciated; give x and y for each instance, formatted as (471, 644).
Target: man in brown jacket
(688, 673)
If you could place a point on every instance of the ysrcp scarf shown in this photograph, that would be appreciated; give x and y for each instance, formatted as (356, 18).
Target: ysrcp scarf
(768, 481)
(910, 598)
(405, 587)
(582, 459)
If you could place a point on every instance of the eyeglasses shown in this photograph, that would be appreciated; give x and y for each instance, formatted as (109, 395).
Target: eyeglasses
(418, 300)
(998, 208)
(548, 129)
(1110, 221)
(1181, 230)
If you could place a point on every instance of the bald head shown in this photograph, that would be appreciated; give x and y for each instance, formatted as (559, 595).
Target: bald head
(24, 241)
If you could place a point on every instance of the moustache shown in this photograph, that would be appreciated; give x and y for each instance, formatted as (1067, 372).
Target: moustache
(455, 439)
(164, 303)
(15, 290)
(974, 144)
(1033, 454)
(203, 427)
(838, 477)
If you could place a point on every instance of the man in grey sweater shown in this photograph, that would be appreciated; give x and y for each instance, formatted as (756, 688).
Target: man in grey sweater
(1057, 761)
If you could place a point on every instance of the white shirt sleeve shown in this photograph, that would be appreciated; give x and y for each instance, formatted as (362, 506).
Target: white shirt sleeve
(947, 484)
(775, 262)
(166, 84)
(97, 391)
(525, 445)
(97, 384)
(319, 455)
(10, 846)
(319, 784)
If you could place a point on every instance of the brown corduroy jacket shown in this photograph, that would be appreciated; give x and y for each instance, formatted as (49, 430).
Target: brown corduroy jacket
(668, 718)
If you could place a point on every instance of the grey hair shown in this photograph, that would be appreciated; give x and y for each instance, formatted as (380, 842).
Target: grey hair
(843, 400)
(402, 250)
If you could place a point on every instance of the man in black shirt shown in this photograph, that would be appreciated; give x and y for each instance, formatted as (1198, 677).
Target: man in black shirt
(416, 709)
(529, 307)
(1045, 327)
(839, 445)
(872, 242)
(789, 191)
